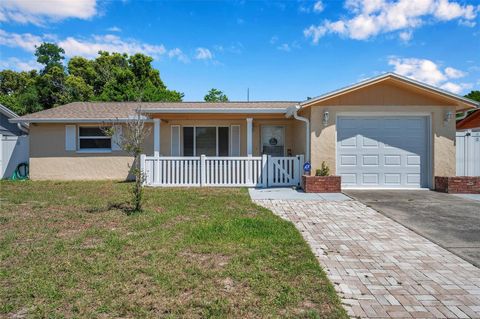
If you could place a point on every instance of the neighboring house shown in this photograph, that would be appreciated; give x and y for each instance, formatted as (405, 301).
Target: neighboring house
(13, 143)
(385, 132)
(471, 122)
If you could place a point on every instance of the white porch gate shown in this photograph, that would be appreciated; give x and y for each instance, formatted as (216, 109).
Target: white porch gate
(284, 171)
(468, 153)
(261, 171)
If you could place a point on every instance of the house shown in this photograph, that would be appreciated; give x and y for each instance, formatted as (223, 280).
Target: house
(385, 132)
(471, 122)
(13, 142)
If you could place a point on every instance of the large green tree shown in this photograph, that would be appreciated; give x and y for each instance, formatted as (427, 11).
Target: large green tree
(49, 55)
(108, 77)
(215, 95)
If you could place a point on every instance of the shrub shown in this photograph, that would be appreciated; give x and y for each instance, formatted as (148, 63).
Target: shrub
(323, 171)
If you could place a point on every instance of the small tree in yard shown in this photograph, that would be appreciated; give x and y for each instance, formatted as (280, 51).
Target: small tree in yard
(131, 141)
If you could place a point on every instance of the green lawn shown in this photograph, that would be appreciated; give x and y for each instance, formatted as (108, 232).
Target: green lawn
(66, 250)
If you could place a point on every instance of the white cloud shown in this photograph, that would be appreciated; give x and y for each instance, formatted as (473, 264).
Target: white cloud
(20, 65)
(26, 41)
(429, 72)
(89, 46)
(203, 54)
(454, 73)
(273, 39)
(318, 6)
(38, 12)
(370, 18)
(114, 29)
(315, 32)
(112, 43)
(178, 54)
(405, 36)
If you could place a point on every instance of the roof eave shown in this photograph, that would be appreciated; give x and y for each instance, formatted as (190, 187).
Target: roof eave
(72, 120)
(215, 110)
(382, 77)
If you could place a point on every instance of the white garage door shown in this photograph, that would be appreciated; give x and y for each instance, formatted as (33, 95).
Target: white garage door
(382, 152)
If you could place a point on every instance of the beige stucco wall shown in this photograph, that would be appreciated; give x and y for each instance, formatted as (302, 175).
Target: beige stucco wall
(49, 160)
(386, 102)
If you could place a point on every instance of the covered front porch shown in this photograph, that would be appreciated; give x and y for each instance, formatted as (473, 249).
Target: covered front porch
(251, 150)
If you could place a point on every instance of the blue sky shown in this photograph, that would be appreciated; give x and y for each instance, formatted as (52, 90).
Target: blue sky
(280, 50)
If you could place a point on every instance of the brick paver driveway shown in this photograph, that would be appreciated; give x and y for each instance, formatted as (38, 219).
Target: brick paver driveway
(380, 268)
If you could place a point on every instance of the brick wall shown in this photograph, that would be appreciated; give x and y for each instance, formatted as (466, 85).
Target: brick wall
(458, 184)
(321, 184)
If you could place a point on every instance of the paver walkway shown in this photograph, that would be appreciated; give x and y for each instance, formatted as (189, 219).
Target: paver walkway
(380, 268)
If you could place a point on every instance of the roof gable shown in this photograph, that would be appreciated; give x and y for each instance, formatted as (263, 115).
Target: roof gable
(391, 89)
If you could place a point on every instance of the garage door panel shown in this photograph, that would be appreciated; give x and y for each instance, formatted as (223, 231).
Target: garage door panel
(369, 142)
(349, 179)
(370, 178)
(370, 160)
(392, 160)
(388, 152)
(393, 179)
(348, 160)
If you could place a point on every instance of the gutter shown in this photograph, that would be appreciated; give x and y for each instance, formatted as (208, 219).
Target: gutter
(22, 128)
(72, 120)
(293, 111)
(216, 110)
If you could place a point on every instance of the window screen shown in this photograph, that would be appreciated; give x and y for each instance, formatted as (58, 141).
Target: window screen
(91, 137)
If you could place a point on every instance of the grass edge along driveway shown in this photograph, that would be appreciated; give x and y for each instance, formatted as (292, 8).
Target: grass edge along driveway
(67, 250)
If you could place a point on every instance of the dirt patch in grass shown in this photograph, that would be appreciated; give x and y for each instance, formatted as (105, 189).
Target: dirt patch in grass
(65, 251)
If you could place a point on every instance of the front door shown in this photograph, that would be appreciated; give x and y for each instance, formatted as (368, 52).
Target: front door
(273, 140)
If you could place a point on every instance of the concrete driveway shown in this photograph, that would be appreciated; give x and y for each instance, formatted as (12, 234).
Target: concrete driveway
(450, 221)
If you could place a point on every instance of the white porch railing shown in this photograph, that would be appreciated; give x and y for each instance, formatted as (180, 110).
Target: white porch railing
(221, 171)
(205, 171)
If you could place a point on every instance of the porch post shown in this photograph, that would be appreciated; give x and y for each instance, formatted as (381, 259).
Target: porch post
(156, 137)
(249, 136)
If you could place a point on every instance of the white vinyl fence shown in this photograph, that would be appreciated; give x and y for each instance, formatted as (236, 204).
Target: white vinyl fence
(468, 153)
(13, 151)
(222, 171)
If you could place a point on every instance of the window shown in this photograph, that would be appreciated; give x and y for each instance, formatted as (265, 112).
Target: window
(206, 140)
(93, 138)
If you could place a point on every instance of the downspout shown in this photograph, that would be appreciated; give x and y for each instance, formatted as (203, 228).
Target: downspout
(22, 128)
(307, 131)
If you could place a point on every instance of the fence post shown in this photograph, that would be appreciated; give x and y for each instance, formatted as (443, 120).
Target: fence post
(202, 170)
(270, 176)
(248, 170)
(301, 161)
(142, 169)
(264, 170)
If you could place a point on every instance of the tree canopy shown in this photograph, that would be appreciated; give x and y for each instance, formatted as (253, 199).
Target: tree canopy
(108, 77)
(215, 95)
(474, 95)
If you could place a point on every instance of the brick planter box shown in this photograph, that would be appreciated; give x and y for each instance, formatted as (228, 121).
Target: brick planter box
(458, 184)
(321, 184)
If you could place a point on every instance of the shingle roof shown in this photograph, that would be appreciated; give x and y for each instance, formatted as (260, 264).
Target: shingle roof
(124, 110)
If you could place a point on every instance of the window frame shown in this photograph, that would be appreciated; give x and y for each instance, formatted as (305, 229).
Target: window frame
(216, 139)
(93, 150)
